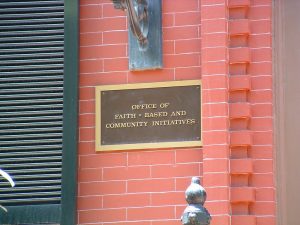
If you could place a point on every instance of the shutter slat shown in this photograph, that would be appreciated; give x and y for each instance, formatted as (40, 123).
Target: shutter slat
(31, 100)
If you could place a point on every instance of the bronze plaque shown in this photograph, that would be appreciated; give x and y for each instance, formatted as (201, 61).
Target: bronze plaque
(151, 115)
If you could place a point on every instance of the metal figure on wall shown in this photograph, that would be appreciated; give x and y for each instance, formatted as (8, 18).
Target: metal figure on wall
(145, 36)
(137, 13)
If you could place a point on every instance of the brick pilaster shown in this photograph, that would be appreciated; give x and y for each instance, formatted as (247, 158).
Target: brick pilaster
(215, 61)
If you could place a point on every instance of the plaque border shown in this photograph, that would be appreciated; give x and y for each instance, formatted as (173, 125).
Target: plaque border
(158, 145)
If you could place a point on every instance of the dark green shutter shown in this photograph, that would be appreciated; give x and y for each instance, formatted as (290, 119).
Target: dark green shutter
(31, 108)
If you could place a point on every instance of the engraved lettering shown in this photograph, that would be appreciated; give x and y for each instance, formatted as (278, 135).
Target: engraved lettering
(125, 116)
(155, 114)
(144, 106)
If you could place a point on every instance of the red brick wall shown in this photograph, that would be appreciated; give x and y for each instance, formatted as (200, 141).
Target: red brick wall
(133, 187)
(232, 53)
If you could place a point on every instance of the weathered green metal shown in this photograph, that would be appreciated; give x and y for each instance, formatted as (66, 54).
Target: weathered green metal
(70, 114)
(195, 213)
(145, 36)
(35, 85)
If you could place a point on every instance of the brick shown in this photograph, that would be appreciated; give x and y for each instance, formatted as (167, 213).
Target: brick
(238, 3)
(214, 26)
(260, 68)
(242, 194)
(239, 27)
(236, 13)
(183, 182)
(100, 160)
(215, 151)
(218, 207)
(179, 170)
(210, 68)
(115, 37)
(115, 64)
(151, 185)
(239, 180)
(260, 13)
(243, 219)
(89, 175)
(261, 54)
(215, 95)
(262, 180)
(236, 41)
(215, 179)
(265, 194)
(93, 216)
(167, 222)
(151, 213)
(213, 12)
(269, 220)
(179, 6)
(110, 11)
(89, 39)
(105, 51)
(86, 134)
(151, 76)
(188, 73)
(261, 2)
(214, 81)
(263, 208)
(89, 202)
(240, 208)
(211, 2)
(263, 138)
(103, 78)
(168, 19)
(187, 18)
(261, 96)
(169, 47)
(126, 200)
(215, 137)
(239, 110)
(187, 46)
(169, 198)
(220, 219)
(259, 41)
(87, 93)
(151, 157)
(262, 152)
(262, 110)
(182, 60)
(220, 109)
(241, 138)
(86, 148)
(102, 188)
(86, 106)
(126, 173)
(216, 165)
(261, 124)
(217, 193)
(239, 55)
(89, 2)
(90, 11)
(263, 166)
(188, 155)
(183, 32)
(217, 123)
(241, 166)
(260, 26)
(91, 66)
(239, 83)
(214, 54)
(214, 39)
(261, 82)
